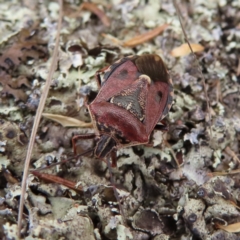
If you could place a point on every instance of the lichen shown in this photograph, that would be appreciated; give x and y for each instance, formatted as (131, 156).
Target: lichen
(178, 186)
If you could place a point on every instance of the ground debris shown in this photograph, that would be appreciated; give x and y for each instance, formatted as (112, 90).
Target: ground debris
(183, 185)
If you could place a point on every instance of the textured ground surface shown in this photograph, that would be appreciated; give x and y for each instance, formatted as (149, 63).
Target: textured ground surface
(182, 188)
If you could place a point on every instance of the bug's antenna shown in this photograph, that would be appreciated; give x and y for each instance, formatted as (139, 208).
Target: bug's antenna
(115, 190)
(67, 160)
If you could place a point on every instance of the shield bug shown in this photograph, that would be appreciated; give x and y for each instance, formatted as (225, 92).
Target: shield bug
(136, 93)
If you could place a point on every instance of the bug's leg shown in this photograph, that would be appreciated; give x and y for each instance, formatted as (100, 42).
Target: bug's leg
(98, 76)
(82, 136)
(162, 126)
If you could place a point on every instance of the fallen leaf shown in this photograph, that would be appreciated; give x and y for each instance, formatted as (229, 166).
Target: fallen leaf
(25, 46)
(94, 9)
(145, 37)
(12, 86)
(184, 49)
(66, 121)
(19, 81)
(231, 228)
(18, 94)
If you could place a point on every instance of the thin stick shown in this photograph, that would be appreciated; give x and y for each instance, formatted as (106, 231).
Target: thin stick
(55, 179)
(173, 153)
(37, 120)
(231, 172)
(199, 68)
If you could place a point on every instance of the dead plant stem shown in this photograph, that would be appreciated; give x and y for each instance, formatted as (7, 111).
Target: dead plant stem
(37, 120)
(199, 68)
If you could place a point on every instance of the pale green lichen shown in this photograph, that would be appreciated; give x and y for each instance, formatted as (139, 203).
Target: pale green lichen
(147, 177)
(4, 162)
(181, 101)
(11, 230)
(217, 157)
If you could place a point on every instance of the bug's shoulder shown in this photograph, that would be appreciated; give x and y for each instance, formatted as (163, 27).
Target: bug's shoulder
(124, 63)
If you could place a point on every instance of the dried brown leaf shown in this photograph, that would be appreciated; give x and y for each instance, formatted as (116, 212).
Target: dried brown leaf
(232, 228)
(18, 82)
(184, 49)
(12, 82)
(23, 47)
(92, 7)
(10, 86)
(145, 36)
(18, 94)
(66, 121)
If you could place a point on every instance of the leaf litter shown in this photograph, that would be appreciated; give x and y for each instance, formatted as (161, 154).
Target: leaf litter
(184, 185)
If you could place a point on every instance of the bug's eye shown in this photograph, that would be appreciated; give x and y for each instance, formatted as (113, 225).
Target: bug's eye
(152, 65)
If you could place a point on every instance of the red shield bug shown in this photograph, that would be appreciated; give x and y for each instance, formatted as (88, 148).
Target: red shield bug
(135, 93)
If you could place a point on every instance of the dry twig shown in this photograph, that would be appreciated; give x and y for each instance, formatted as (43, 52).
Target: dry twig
(199, 68)
(55, 179)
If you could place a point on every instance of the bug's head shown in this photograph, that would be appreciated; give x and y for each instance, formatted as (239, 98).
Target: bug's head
(104, 146)
(153, 66)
